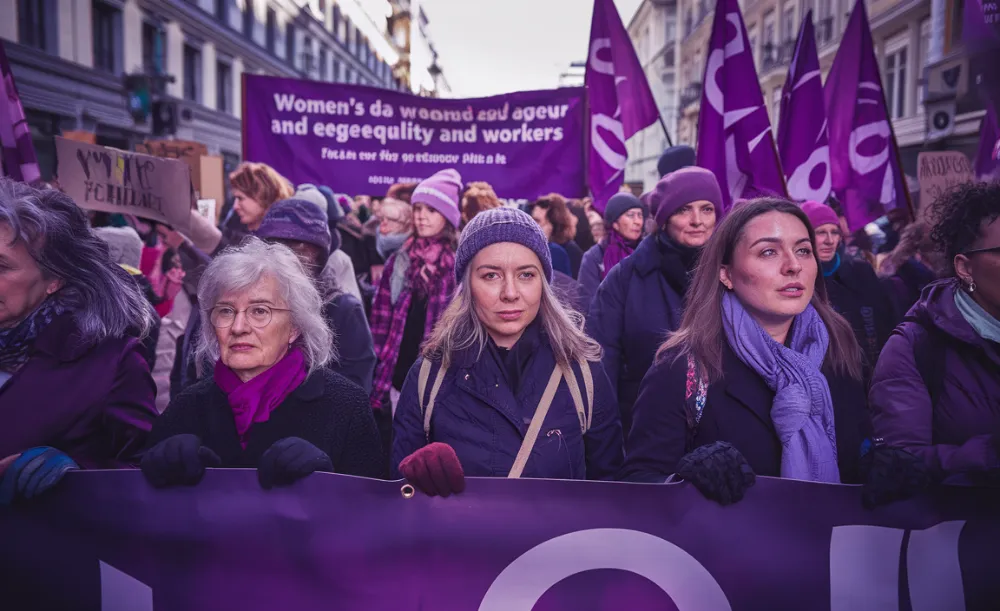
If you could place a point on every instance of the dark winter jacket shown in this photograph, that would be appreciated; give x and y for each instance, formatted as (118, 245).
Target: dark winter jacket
(356, 362)
(326, 410)
(637, 304)
(904, 287)
(857, 294)
(486, 403)
(737, 410)
(591, 270)
(939, 355)
(575, 257)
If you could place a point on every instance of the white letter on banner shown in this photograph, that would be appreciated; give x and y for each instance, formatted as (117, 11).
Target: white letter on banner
(715, 61)
(798, 183)
(610, 157)
(689, 584)
(122, 592)
(933, 568)
(864, 568)
(599, 64)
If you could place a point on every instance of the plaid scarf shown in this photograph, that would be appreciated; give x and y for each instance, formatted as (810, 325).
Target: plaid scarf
(431, 274)
(16, 342)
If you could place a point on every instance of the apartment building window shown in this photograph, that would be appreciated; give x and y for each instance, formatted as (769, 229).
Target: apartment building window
(36, 24)
(290, 46)
(222, 10)
(788, 24)
(894, 77)
(671, 31)
(752, 39)
(336, 71)
(192, 73)
(352, 39)
(272, 29)
(824, 21)
(768, 48)
(152, 48)
(323, 65)
(224, 86)
(925, 44)
(688, 21)
(340, 25)
(107, 32)
(248, 18)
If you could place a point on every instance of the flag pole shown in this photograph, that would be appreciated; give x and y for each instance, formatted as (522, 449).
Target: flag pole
(665, 131)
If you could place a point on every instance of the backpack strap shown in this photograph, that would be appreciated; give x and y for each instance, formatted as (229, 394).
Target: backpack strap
(928, 355)
(536, 424)
(425, 374)
(584, 412)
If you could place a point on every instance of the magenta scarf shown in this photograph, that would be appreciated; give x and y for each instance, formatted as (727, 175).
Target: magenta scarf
(616, 249)
(254, 400)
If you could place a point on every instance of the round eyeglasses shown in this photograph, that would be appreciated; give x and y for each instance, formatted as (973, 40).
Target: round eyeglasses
(258, 315)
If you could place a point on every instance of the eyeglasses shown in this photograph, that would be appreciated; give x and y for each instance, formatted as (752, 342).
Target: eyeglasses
(981, 250)
(259, 316)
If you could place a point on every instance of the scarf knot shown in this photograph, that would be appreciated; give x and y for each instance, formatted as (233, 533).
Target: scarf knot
(430, 258)
(16, 342)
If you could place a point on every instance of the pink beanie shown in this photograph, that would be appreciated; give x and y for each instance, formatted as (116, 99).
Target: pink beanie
(442, 192)
(820, 214)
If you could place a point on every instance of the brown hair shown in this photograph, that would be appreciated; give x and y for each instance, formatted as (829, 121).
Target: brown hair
(701, 333)
(402, 191)
(914, 240)
(261, 183)
(558, 214)
(478, 197)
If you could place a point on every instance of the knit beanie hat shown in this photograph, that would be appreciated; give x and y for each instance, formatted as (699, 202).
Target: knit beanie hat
(442, 192)
(820, 214)
(296, 219)
(124, 244)
(333, 210)
(680, 188)
(312, 194)
(501, 225)
(675, 158)
(619, 204)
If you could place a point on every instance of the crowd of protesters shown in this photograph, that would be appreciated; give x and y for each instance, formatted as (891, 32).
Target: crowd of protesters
(438, 332)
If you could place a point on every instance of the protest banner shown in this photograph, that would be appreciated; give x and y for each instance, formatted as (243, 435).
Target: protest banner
(108, 540)
(360, 140)
(111, 180)
(937, 172)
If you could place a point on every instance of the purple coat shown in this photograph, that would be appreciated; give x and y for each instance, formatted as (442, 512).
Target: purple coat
(954, 435)
(94, 402)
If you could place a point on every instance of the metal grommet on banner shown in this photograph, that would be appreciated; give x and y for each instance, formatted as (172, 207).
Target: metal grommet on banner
(407, 491)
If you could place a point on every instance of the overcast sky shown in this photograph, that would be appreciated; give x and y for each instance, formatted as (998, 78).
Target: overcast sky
(488, 47)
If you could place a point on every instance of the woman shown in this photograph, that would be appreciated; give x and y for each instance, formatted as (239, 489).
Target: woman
(552, 214)
(478, 197)
(255, 187)
(301, 226)
(270, 403)
(763, 378)
(417, 283)
(642, 298)
(394, 229)
(76, 388)
(852, 286)
(936, 386)
(625, 215)
(506, 354)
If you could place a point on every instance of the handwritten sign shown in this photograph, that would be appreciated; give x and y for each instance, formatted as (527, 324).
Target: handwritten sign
(111, 180)
(188, 151)
(938, 172)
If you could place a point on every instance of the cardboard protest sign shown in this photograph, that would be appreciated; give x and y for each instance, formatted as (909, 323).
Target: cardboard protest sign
(938, 172)
(111, 180)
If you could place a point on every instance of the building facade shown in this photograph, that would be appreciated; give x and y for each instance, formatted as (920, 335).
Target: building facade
(912, 46)
(76, 61)
(653, 30)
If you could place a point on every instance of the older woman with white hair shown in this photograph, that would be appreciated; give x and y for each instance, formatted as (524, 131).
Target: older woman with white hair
(508, 385)
(271, 403)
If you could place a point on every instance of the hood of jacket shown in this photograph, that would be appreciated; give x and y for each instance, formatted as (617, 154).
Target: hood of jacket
(937, 307)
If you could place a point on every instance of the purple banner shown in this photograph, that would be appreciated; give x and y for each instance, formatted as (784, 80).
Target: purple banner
(19, 160)
(360, 140)
(107, 540)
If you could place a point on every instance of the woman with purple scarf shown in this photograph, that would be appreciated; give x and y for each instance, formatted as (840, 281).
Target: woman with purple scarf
(764, 377)
(624, 216)
(271, 403)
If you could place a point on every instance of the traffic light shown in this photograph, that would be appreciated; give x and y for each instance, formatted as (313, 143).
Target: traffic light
(138, 96)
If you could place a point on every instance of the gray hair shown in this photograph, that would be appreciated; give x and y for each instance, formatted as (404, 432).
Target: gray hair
(239, 268)
(460, 328)
(103, 297)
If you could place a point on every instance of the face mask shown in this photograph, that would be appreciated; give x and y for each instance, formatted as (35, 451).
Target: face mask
(389, 243)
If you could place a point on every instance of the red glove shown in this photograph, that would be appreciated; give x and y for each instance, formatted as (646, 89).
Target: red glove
(434, 470)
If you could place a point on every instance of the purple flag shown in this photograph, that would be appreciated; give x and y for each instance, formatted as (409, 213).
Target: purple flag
(19, 160)
(734, 132)
(864, 164)
(621, 103)
(988, 157)
(802, 137)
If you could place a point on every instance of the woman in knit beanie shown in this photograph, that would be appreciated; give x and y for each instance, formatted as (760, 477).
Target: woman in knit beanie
(416, 285)
(505, 354)
(624, 216)
(642, 298)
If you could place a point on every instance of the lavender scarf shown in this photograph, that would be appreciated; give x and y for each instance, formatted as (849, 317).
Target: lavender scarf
(802, 411)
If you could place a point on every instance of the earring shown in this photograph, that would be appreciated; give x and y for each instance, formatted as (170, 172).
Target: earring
(972, 287)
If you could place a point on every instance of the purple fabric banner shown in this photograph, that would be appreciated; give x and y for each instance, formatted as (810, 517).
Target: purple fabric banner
(19, 160)
(621, 103)
(107, 540)
(864, 165)
(988, 155)
(802, 137)
(361, 140)
(734, 132)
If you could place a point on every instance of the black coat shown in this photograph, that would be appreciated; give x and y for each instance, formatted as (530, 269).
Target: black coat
(737, 410)
(326, 410)
(859, 296)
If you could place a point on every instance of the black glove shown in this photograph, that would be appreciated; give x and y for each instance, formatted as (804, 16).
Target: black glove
(891, 474)
(289, 460)
(718, 471)
(178, 461)
(35, 471)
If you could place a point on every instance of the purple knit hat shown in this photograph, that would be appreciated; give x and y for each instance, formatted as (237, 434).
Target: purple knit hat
(442, 192)
(820, 214)
(501, 225)
(680, 188)
(296, 219)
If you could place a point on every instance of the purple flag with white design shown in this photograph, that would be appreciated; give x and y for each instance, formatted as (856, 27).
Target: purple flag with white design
(19, 160)
(735, 140)
(864, 164)
(802, 137)
(988, 157)
(621, 103)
